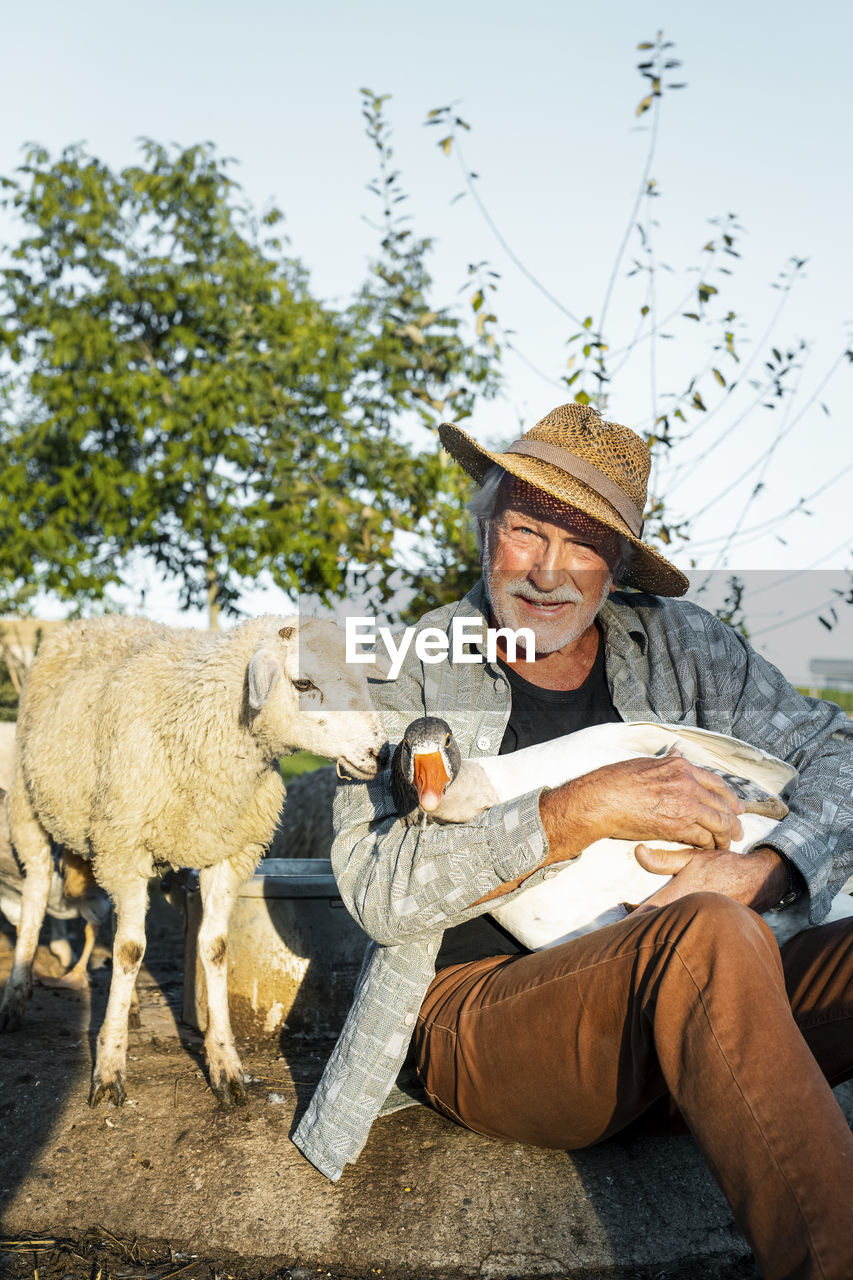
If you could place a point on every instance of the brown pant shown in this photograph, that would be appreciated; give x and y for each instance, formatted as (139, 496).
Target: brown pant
(683, 1007)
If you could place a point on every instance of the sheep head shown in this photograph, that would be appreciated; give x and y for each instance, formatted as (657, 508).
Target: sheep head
(304, 696)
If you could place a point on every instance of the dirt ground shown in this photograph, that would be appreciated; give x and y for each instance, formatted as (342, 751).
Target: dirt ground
(48, 1060)
(172, 1185)
(139, 1193)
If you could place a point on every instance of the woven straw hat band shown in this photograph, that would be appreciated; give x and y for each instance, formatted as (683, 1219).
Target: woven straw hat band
(585, 472)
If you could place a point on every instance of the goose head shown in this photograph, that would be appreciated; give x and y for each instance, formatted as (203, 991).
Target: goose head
(425, 762)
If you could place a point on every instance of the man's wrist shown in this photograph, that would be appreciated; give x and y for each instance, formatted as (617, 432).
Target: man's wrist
(568, 824)
(787, 885)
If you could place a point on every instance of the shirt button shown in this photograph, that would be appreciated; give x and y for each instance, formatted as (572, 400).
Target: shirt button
(430, 948)
(483, 743)
(409, 1019)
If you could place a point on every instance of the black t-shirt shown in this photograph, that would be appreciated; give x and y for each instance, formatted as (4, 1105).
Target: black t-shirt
(538, 715)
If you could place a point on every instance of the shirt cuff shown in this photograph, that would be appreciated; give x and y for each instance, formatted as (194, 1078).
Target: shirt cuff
(517, 836)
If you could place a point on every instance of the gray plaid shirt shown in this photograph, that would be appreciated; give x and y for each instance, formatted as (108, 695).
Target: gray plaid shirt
(665, 660)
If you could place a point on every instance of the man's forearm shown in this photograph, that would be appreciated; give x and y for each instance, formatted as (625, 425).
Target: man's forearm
(569, 823)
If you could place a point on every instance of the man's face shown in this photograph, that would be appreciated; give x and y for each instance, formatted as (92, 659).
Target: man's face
(547, 566)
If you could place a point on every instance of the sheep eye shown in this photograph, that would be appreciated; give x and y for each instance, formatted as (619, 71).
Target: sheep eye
(303, 686)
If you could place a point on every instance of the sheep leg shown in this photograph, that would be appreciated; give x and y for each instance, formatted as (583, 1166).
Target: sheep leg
(130, 901)
(32, 844)
(59, 945)
(78, 978)
(219, 885)
(134, 1020)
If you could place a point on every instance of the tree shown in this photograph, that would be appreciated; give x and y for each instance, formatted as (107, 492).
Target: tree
(172, 388)
(731, 381)
(413, 357)
(8, 693)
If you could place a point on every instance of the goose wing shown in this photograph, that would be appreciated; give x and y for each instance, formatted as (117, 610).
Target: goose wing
(561, 759)
(724, 753)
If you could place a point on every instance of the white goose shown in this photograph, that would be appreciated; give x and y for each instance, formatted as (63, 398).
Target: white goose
(430, 781)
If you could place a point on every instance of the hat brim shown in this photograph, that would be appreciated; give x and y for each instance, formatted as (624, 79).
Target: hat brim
(643, 568)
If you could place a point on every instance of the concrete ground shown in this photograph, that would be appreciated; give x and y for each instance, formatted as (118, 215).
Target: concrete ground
(426, 1198)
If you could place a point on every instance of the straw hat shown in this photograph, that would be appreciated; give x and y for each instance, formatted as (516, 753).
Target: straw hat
(597, 467)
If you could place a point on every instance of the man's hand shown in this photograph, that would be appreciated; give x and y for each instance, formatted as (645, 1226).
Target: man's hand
(662, 798)
(758, 879)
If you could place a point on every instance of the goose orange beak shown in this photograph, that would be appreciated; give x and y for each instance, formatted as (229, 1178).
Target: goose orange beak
(431, 778)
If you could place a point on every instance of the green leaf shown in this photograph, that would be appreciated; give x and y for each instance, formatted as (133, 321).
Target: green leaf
(181, 395)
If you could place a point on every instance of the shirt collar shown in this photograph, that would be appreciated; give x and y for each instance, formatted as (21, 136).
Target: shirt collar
(623, 630)
(475, 604)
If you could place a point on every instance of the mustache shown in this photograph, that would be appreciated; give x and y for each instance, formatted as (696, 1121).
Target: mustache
(564, 593)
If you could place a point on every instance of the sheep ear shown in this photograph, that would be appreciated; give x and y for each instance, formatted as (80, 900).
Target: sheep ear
(264, 671)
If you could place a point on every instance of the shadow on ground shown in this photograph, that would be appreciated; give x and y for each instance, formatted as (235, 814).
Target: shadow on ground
(140, 1190)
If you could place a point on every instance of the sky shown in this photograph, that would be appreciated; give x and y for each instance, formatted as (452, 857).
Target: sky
(550, 91)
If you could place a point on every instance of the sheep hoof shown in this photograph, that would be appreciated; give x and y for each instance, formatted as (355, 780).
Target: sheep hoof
(12, 1010)
(231, 1091)
(10, 1019)
(111, 1089)
(70, 981)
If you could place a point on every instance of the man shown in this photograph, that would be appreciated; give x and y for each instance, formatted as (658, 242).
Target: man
(684, 1006)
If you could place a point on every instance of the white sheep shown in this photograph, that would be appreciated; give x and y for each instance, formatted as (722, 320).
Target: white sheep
(140, 746)
(73, 892)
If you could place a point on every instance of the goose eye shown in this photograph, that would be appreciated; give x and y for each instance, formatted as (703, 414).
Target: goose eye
(303, 686)
(447, 741)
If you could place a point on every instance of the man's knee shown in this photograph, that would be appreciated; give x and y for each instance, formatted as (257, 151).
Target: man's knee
(715, 918)
(722, 945)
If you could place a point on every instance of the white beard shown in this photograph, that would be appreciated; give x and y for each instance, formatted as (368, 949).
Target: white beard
(550, 635)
